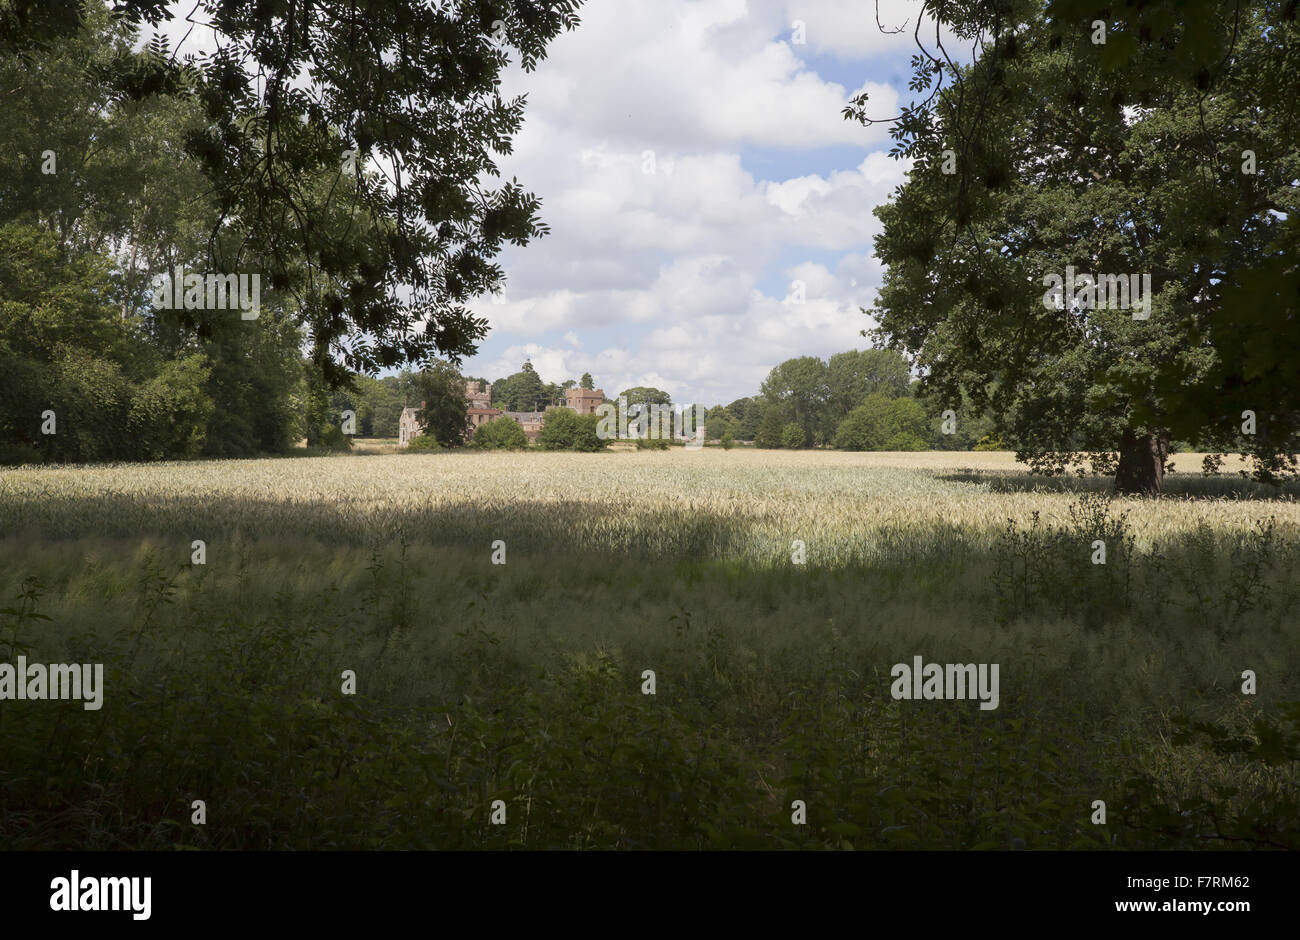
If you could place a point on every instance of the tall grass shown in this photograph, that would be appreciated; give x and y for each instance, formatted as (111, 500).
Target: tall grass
(522, 682)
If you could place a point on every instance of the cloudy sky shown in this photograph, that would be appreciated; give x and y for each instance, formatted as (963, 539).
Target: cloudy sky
(693, 163)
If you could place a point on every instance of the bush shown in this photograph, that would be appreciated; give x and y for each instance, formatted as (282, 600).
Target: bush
(500, 434)
(881, 423)
(564, 429)
(769, 429)
(792, 436)
(905, 440)
(728, 441)
(990, 442)
(586, 439)
(334, 438)
(423, 443)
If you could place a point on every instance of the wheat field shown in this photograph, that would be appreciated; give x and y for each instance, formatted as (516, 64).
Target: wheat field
(500, 610)
(844, 506)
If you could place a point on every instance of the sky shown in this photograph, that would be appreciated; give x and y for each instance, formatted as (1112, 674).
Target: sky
(693, 163)
(698, 178)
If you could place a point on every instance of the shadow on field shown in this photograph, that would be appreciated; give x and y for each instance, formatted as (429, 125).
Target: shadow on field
(561, 527)
(1177, 485)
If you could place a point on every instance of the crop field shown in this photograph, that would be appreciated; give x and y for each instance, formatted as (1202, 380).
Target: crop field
(648, 650)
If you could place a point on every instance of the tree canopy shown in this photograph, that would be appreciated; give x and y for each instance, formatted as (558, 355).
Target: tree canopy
(1146, 144)
(393, 106)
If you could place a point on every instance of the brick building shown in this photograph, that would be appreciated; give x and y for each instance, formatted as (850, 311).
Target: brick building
(479, 411)
(584, 401)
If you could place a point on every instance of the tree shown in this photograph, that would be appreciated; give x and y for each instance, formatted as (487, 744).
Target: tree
(852, 376)
(770, 428)
(500, 434)
(301, 88)
(119, 192)
(587, 439)
(748, 413)
(644, 401)
(77, 382)
(442, 389)
(521, 391)
(587, 381)
(1132, 159)
(865, 427)
(800, 386)
(792, 436)
(718, 422)
(962, 429)
(882, 423)
(565, 429)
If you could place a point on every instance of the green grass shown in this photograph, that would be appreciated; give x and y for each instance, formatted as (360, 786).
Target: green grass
(522, 683)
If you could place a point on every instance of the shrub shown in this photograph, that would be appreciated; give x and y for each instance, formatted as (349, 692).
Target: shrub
(559, 429)
(881, 423)
(501, 434)
(585, 438)
(905, 440)
(728, 441)
(564, 429)
(424, 442)
(863, 428)
(334, 438)
(769, 429)
(792, 436)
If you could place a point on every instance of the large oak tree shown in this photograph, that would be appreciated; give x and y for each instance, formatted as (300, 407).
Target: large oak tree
(1169, 149)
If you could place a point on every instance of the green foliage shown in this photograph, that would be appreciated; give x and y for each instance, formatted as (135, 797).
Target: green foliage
(565, 429)
(500, 434)
(881, 423)
(968, 252)
(728, 441)
(373, 92)
(64, 350)
(424, 442)
(333, 438)
(799, 387)
(450, 719)
(442, 389)
(905, 441)
(792, 436)
(747, 413)
(770, 428)
(174, 383)
(522, 391)
(819, 395)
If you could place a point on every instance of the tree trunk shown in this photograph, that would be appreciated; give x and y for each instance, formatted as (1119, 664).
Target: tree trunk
(1141, 468)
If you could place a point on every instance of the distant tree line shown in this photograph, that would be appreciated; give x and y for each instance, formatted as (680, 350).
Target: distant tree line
(121, 161)
(856, 400)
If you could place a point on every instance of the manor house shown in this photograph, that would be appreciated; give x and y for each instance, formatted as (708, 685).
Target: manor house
(584, 401)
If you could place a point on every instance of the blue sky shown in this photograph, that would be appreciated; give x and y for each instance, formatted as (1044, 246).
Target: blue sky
(694, 166)
(680, 277)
